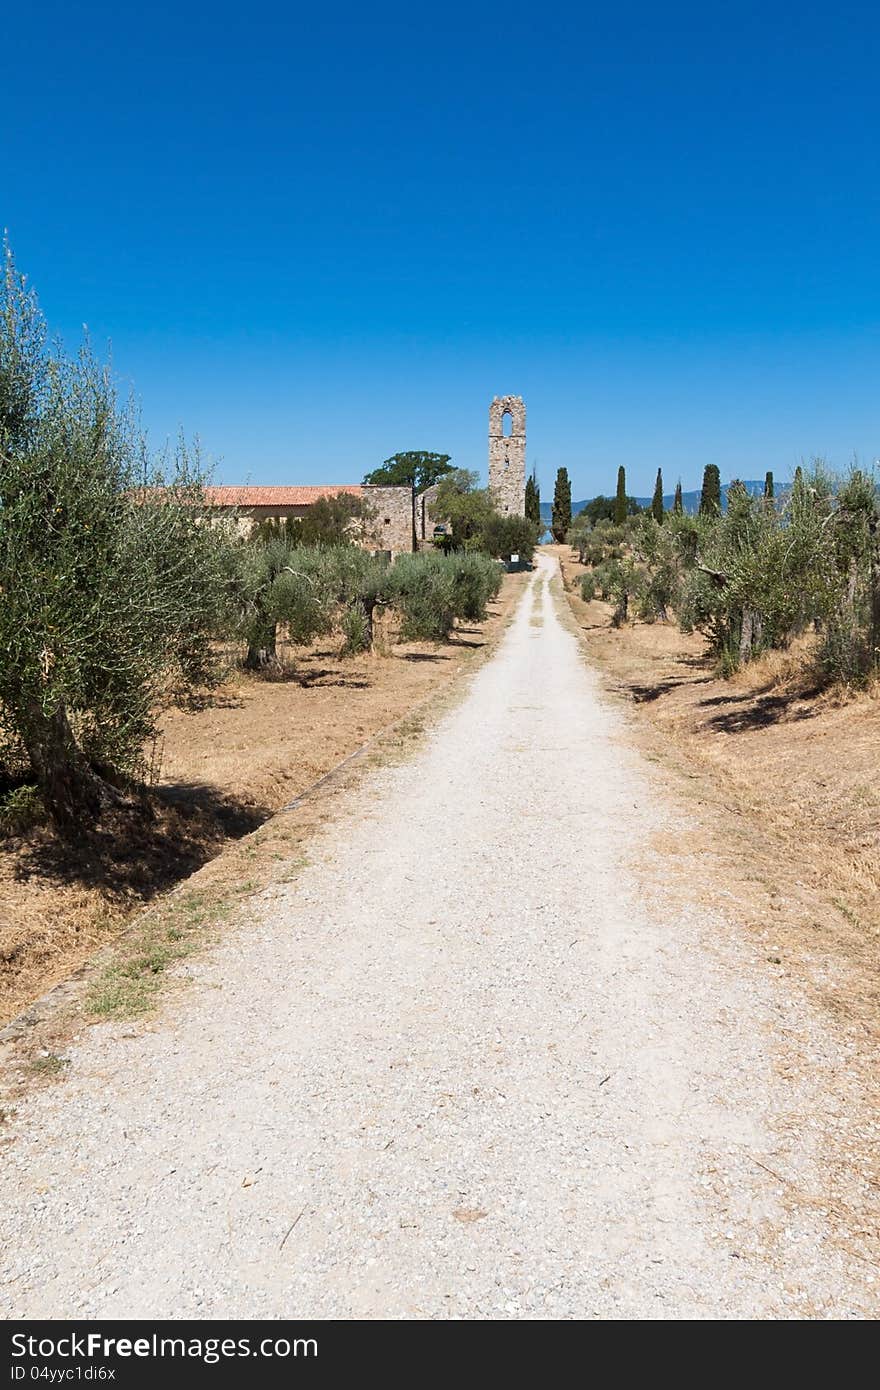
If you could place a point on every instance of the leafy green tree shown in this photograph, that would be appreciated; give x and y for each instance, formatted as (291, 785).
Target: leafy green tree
(620, 506)
(657, 500)
(464, 506)
(416, 469)
(603, 508)
(678, 502)
(112, 584)
(588, 586)
(600, 508)
(710, 497)
(768, 486)
(560, 520)
(533, 501)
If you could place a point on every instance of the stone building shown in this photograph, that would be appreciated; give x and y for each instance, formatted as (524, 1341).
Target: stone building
(398, 521)
(390, 524)
(507, 454)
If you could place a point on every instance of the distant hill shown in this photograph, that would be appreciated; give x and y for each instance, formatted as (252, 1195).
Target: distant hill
(690, 500)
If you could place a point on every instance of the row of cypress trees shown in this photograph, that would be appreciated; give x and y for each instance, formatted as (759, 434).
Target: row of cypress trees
(710, 498)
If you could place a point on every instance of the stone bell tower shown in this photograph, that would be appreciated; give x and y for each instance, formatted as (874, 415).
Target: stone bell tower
(507, 454)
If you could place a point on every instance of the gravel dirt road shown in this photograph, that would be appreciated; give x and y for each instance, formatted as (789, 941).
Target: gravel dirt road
(488, 1055)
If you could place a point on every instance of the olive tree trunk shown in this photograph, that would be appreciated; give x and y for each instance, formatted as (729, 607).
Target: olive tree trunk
(262, 652)
(73, 793)
(745, 637)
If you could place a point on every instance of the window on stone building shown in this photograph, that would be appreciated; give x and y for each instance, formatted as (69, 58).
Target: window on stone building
(507, 424)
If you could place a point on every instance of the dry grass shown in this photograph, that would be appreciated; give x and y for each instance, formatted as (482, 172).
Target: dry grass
(228, 763)
(785, 778)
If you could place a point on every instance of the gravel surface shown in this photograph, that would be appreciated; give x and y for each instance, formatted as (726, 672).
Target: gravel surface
(482, 1058)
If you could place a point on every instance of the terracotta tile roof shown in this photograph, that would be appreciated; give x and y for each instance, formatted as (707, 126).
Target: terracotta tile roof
(275, 496)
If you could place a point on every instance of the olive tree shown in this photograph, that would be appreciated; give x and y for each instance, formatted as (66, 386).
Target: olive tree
(282, 583)
(111, 583)
(850, 648)
(431, 590)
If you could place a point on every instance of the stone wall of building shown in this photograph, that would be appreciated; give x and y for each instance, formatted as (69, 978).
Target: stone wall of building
(507, 455)
(391, 523)
(425, 523)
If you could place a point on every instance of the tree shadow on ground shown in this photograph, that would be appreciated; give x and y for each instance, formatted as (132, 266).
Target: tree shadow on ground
(764, 711)
(644, 694)
(725, 700)
(139, 851)
(328, 676)
(308, 678)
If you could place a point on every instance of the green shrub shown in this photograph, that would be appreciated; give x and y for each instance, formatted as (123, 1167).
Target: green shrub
(477, 579)
(596, 542)
(503, 536)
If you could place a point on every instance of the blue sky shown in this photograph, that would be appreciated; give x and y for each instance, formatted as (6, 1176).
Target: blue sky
(317, 235)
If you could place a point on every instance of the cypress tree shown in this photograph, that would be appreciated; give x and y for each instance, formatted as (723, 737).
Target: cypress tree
(710, 497)
(678, 504)
(533, 500)
(800, 498)
(620, 499)
(657, 500)
(768, 486)
(560, 521)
